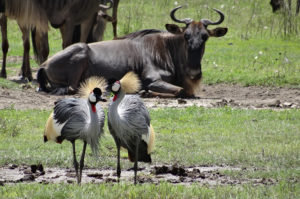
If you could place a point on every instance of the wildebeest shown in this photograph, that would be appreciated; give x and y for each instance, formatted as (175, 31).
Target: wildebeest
(66, 15)
(168, 63)
(279, 4)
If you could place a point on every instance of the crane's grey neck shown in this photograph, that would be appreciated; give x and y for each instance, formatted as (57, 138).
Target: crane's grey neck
(118, 97)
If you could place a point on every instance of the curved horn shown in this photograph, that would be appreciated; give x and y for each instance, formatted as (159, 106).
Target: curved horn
(185, 21)
(209, 22)
(105, 7)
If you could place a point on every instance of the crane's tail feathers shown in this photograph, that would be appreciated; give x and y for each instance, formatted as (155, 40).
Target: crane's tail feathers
(130, 83)
(151, 140)
(87, 86)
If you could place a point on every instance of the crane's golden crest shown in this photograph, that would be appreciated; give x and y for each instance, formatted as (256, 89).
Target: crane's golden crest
(87, 86)
(130, 83)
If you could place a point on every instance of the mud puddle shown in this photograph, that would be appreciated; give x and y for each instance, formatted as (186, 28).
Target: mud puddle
(205, 175)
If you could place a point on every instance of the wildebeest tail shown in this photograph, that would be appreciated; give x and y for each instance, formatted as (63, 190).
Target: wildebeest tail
(42, 80)
(40, 45)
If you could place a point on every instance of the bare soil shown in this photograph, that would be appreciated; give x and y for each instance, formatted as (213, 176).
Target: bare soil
(206, 175)
(209, 96)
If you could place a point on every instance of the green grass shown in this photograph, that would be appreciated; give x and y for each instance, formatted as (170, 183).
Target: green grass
(163, 190)
(260, 48)
(246, 138)
(265, 142)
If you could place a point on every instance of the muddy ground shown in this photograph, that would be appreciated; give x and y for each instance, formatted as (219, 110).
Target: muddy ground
(209, 96)
(205, 175)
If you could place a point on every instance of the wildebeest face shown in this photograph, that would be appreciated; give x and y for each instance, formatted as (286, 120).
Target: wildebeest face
(196, 33)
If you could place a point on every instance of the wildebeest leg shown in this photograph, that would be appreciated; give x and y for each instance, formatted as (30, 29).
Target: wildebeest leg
(5, 45)
(161, 86)
(298, 7)
(115, 17)
(25, 69)
(66, 31)
(85, 28)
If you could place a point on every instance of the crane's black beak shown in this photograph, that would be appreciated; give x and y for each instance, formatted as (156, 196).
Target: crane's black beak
(100, 99)
(103, 100)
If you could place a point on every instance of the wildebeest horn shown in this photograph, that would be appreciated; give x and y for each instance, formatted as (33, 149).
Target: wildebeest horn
(105, 7)
(185, 21)
(208, 22)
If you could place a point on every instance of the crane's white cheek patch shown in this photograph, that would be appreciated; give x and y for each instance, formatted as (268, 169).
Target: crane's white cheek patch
(115, 87)
(92, 97)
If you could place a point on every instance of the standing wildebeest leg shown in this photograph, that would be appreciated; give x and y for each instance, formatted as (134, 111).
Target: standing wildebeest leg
(115, 17)
(85, 28)
(298, 7)
(5, 45)
(25, 69)
(66, 31)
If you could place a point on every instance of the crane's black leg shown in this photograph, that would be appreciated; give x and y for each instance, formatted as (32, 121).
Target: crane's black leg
(82, 161)
(75, 161)
(118, 164)
(136, 160)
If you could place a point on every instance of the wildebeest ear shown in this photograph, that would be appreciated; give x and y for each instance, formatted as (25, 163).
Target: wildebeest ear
(172, 28)
(218, 32)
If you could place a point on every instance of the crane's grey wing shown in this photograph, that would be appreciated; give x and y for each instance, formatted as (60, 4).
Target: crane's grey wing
(136, 120)
(134, 112)
(75, 114)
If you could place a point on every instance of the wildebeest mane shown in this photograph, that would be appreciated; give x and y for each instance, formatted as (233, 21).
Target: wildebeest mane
(139, 34)
(164, 48)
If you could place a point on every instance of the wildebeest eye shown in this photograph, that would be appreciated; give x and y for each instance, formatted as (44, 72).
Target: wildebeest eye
(204, 37)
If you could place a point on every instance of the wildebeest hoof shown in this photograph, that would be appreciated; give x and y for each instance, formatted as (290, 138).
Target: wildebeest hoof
(180, 93)
(3, 75)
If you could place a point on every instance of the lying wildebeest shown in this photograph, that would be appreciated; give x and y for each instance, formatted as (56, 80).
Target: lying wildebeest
(66, 15)
(168, 63)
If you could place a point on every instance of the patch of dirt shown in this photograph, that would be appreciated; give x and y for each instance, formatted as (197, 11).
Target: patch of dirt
(206, 175)
(210, 96)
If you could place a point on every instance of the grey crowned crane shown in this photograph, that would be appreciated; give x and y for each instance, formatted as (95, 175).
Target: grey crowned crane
(129, 122)
(79, 118)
